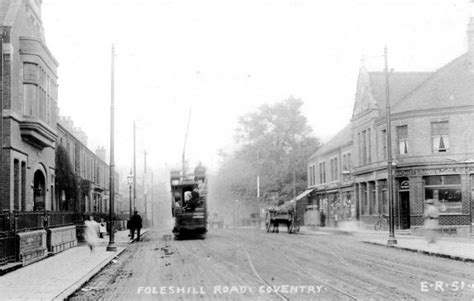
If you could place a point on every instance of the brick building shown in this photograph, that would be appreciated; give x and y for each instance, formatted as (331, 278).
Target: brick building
(29, 99)
(91, 171)
(432, 144)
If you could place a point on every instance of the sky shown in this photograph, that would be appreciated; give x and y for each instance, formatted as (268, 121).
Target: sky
(222, 59)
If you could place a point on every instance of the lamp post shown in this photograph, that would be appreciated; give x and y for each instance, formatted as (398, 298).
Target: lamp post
(391, 237)
(130, 183)
(111, 247)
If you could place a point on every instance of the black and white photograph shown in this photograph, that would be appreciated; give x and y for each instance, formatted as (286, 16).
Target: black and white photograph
(236, 150)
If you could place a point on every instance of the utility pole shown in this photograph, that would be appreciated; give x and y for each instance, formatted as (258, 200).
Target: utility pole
(391, 237)
(144, 185)
(134, 168)
(1, 108)
(111, 247)
(152, 200)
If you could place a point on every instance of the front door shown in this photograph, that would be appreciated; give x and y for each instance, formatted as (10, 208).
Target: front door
(404, 210)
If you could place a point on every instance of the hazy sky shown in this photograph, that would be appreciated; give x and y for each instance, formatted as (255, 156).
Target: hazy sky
(225, 58)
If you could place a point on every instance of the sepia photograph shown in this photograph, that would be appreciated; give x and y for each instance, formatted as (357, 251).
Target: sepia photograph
(236, 150)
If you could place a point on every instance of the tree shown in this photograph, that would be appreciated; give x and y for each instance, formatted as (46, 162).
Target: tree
(65, 179)
(275, 141)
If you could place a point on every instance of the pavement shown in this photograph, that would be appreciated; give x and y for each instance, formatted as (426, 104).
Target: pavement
(456, 248)
(59, 276)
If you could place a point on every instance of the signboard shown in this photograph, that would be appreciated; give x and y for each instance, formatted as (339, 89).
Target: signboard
(404, 185)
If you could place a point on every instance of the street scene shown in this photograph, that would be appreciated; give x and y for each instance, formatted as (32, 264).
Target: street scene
(252, 264)
(241, 150)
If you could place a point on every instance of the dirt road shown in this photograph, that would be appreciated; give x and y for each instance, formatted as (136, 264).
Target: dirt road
(249, 264)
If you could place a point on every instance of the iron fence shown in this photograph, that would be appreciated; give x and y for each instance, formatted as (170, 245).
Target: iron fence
(28, 221)
(8, 248)
(6, 222)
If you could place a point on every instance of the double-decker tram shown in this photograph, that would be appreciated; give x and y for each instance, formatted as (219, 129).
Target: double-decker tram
(189, 202)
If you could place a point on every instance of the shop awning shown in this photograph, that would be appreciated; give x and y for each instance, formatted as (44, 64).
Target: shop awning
(303, 194)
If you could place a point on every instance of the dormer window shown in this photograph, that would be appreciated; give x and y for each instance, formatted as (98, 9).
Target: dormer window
(440, 136)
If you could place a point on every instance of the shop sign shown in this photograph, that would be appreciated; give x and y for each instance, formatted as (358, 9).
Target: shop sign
(452, 207)
(405, 185)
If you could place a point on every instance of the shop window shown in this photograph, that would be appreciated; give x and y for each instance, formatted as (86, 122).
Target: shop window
(446, 191)
(440, 138)
(402, 136)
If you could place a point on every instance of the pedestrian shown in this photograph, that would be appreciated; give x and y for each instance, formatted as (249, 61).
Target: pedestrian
(102, 228)
(90, 233)
(431, 216)
(136, 224)
(323, 219)
(336, 218)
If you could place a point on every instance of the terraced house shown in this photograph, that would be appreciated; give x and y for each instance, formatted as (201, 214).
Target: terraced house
(35, 216)
(432, 145)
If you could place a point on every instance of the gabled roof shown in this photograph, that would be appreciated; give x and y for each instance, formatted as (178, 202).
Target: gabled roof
(343, 137)
(400, 84)
(450, 86)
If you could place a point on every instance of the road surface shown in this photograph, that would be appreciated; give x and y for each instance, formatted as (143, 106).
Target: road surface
(249, 264)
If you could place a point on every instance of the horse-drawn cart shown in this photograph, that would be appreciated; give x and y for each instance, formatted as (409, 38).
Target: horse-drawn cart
(284, 214)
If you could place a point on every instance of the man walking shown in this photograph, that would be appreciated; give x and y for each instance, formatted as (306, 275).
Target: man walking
(136, 224)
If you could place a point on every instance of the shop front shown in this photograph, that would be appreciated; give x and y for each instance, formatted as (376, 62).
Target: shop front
(451, 189)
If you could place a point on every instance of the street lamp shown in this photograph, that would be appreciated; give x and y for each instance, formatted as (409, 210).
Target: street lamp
(130, 184)
(391, 237)
(111, 247)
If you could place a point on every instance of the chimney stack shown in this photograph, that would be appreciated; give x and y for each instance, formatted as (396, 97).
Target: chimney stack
(100, 152)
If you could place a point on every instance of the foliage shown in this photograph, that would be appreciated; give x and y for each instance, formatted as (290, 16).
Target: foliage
(65, 179)
(274, 141)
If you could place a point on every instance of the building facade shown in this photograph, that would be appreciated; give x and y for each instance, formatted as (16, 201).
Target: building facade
(30, 126)
(29, 101)
(92, 174)
(432, 137)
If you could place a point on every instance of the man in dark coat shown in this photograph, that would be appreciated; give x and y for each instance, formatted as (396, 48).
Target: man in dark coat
(136, 224)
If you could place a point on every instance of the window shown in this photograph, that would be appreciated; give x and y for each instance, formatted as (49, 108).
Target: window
(30, 99)
(439, 136)
(364, 147)
(402, 135)
(344, 162)
(446, 191)
(384, 144)
(336, 170)
(324, 172)
(369, 148)
(360, 148)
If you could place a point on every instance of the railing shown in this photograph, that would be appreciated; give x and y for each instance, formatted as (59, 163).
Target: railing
(59, 219)
(27, 221)
(6, 222)
(8, 248)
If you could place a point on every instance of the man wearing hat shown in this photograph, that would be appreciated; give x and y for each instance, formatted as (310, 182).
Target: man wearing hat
(431, 216)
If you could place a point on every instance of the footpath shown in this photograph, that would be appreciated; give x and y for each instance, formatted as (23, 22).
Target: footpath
(59, 276)
(457, 248)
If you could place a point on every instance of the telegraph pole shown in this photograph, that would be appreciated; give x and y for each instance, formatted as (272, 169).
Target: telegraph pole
(144, 185)
(391, 237)
(134, 168)
(111, 247)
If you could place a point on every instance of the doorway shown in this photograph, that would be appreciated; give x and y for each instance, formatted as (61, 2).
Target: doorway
(404, 197)
(39, 191)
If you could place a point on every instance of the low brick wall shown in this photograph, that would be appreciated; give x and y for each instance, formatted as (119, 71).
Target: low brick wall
(32, 246)
(62, 238)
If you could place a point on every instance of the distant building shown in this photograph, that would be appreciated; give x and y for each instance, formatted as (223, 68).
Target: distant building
(92, 175)
(432, 146)
(29, 97)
